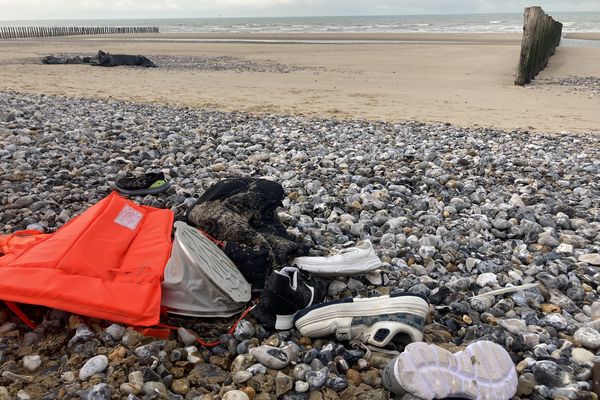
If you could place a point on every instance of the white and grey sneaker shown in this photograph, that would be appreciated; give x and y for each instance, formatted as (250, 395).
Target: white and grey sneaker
(376, 321)
(351, 261)
(483, 371)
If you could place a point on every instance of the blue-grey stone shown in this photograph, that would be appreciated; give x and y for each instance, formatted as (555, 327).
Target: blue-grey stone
(243, 347)
(244, 330)
(271, 357)
(148, 350)
(316, 379)
(116, 331)
(257, 369)
(547, 373)
(337, 383)
(82, 334)
(99, 392)
(310, 356)
(300, 371)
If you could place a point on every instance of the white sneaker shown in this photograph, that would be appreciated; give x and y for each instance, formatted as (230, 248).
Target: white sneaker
(351, 261)
(483, 371)
(374, 321)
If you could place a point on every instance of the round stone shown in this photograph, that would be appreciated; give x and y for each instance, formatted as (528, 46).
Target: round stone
(130, 388)
(588, 337)
(249, 390)
(180, 386)
(94, 365)
(32, 363)
(582, 356)
(241, 376)
(301, 386)
(354, 377)
(235, 395)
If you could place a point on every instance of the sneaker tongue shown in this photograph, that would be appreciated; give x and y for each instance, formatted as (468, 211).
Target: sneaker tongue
(292, 274)
(348, 250)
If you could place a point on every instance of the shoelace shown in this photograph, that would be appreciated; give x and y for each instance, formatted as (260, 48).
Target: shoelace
(336, 251)
(369, 349)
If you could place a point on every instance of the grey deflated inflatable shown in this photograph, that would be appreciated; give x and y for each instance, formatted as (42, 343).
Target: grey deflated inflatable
(200, 280)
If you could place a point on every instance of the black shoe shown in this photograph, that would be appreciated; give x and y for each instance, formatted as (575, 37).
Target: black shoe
(150, 183)
(287, 291)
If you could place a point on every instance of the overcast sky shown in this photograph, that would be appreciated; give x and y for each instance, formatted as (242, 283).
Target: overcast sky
(97, 9)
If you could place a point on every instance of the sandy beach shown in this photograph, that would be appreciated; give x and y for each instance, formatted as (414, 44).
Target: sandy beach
(462, 79)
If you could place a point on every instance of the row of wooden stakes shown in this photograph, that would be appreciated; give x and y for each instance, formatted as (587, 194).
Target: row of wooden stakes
(21, 32)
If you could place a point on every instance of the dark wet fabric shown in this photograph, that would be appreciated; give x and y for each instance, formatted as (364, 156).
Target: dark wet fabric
(242, 212)
(65, 60)
(102, 59)
(112, 60)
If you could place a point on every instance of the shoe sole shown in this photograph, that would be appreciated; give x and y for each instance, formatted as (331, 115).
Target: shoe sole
(484, 370)
(143, 192)
(321, 319)
(205, 256)
(357, 267)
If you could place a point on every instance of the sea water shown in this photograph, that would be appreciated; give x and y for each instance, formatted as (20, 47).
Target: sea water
(572, 22)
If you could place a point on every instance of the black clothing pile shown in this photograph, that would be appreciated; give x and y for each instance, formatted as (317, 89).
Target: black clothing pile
(102, 59)
(65, 60)
(241, 212)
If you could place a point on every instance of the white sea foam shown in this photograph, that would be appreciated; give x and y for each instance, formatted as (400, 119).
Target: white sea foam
(572, 22)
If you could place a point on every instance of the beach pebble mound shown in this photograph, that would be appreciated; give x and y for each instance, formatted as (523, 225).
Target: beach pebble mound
(452, 212)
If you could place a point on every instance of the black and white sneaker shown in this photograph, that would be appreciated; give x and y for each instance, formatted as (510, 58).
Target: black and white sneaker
(377, 321)
(286, 292)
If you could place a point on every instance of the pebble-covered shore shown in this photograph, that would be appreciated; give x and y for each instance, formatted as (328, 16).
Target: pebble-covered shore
(200, 63)
(452, 212)
(585, 84)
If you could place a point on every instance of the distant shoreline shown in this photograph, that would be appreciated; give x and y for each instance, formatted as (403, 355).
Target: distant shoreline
(583, 35)
(490, 38)
(463, 38)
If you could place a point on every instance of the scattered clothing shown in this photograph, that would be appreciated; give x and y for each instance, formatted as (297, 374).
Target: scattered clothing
(242, 212)
(484, 370)
(113, 60)
(66, 60)
(102, 59)
(350, 261)
(286, 292)
(379, 321)
(105, 263)
(149, 183)
(200, 280)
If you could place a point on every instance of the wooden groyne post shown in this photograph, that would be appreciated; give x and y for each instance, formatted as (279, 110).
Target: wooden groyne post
(23, 32)
(541, 37)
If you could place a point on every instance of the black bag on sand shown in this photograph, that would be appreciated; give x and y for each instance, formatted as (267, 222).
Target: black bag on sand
(242, 213)
(102, 59)
(112, 60)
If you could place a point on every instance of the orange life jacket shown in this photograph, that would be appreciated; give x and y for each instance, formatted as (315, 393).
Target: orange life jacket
(106, 263)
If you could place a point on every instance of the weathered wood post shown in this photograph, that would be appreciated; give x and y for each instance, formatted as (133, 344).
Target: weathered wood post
(541, 37)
